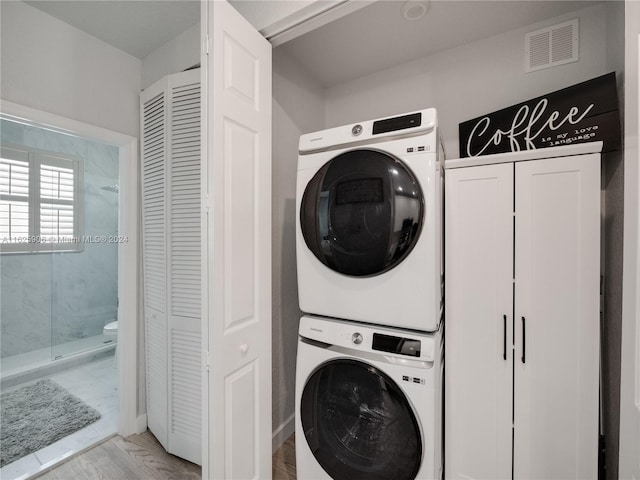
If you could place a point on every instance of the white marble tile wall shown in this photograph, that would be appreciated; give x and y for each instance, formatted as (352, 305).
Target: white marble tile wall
(51, 299)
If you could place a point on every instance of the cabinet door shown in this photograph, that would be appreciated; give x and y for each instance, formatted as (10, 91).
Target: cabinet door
(557, 265)
(479, 305)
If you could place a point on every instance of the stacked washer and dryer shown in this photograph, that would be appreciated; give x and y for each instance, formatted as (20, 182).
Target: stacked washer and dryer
(369, 258)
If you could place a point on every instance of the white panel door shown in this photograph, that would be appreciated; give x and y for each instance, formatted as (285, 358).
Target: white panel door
(557, 267)
(479, 307)
(237, 241)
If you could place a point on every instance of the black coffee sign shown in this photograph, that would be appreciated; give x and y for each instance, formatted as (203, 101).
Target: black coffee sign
(586, 112)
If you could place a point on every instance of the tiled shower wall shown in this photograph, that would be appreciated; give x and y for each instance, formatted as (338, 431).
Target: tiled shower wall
(52, 298)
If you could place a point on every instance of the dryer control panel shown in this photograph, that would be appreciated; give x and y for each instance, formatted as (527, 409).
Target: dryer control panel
(399, 345)
(420, 123)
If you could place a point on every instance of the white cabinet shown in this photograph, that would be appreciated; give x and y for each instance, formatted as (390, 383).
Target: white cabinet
(170, 115)
(522, 249)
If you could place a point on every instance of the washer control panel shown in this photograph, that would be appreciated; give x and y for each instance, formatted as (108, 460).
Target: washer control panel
(393, 342)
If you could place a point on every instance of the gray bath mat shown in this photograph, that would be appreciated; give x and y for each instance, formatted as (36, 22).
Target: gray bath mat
(37, 415)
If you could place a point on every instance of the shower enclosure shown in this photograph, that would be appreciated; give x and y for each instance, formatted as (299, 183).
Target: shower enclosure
(59, 246)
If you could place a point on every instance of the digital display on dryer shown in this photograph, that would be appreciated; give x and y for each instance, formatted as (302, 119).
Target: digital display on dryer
(399, 345)
(397, 123)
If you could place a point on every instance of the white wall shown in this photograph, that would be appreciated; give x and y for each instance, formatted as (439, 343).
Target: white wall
(469, 81)
(630, 376)
(56, 68)
(612, 247)
(298, 107)
(175, 56)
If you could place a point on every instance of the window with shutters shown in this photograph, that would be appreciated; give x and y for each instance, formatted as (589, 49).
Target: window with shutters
(40, 201)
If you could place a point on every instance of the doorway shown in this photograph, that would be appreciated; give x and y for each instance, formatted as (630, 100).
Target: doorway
(96, 223)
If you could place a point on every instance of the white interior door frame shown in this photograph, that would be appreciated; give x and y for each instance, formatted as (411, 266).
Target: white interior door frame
(312, 16)
(128, 225)
(629, 460)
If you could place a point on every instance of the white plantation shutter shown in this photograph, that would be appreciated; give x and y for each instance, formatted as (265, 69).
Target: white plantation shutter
(56, 222)
(57, 213)
(14, 195)
(14, 220)
(40, 204)
(172, 272)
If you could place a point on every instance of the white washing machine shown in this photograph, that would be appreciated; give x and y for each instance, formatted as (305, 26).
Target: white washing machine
(368, 402)
(369, 222)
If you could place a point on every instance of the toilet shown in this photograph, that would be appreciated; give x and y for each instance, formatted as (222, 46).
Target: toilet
(110, 331)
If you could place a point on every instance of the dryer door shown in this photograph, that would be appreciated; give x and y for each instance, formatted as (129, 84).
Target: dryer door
(359, 424)
(362, 213)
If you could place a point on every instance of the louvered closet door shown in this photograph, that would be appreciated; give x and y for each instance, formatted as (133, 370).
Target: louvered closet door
(171, 223)
(154, 128)
(184, 271)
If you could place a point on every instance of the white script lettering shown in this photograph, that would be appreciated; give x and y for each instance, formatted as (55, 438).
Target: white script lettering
(523, 132)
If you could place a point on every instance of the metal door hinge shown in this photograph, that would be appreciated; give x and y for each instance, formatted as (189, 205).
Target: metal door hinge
(207, 361)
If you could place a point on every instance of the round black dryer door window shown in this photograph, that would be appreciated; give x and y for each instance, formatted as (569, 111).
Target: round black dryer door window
(362, 213)
(359, 424)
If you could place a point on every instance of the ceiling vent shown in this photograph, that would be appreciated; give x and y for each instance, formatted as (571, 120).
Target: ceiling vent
(551, 46)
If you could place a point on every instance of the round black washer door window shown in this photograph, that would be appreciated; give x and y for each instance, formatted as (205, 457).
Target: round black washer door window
(359, 424)
(362, 212)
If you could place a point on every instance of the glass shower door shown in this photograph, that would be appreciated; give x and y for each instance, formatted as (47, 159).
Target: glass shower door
(85, 282)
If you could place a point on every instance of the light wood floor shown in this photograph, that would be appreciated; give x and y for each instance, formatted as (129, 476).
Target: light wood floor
(284, 461)
(141, 457)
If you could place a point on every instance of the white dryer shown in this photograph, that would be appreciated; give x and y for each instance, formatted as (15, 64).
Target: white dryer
(368, 402)
(369, 222)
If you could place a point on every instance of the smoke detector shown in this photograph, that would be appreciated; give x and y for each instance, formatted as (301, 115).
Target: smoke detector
(415, 9)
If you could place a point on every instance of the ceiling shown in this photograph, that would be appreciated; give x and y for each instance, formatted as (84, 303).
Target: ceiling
(378, 37)
(136, 26)
(371, 39)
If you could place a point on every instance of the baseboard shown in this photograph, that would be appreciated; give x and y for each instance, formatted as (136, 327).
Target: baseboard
(141, 423)
(284, 431)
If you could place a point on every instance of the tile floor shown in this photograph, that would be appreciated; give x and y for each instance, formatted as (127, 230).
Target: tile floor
(94, 383)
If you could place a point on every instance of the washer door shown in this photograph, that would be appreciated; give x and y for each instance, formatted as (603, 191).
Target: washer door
(359, 424)
(362, 213)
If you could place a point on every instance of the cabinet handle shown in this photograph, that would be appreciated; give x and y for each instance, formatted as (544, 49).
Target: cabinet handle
(504, 337)
(524, 340)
